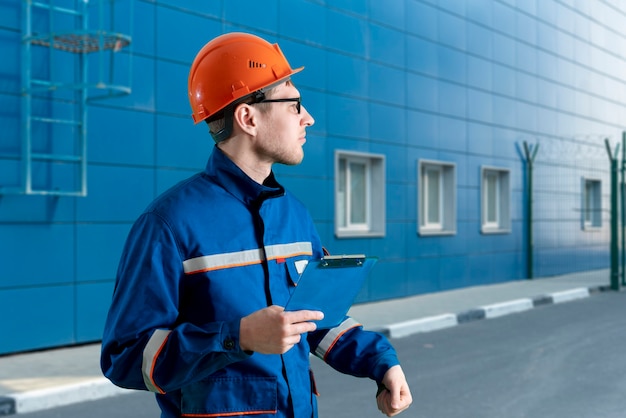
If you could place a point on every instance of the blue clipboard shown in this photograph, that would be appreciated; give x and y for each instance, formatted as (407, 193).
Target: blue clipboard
(330, 285)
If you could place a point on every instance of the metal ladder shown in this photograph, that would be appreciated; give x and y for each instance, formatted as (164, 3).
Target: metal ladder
(58, 43)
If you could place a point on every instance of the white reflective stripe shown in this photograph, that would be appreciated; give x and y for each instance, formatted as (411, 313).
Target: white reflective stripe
(288, 250)
(246, 257)
(222, 261)
(333, 335)
(150, 354)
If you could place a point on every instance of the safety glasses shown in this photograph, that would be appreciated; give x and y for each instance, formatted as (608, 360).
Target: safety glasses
(294, 99)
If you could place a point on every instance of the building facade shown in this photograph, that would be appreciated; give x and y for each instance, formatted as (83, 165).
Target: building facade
(427, 112)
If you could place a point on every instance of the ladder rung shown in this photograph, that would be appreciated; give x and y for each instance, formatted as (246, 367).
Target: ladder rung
(44, 192)
(44, 83)
(11, 190)
(46, 86)
(56, 157)
(56, 8)
(39, 85)
(51, 120)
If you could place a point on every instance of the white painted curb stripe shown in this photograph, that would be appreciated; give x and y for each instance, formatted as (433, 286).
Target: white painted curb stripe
(433, 323)
(505, 308)
(93, 389)
(40, 399)
(569, 295)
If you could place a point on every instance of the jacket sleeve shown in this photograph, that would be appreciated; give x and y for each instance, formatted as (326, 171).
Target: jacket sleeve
(144, 346)
(350, 349)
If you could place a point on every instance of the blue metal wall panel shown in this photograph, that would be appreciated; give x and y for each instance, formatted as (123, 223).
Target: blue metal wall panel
(342, 29)
(141, 44)
(386, 84)
(422, 92)
(181, 144)
(452, 134)
(453, 272)
(142, 84)
(347, 75)
(252, 14)
(387, 46)
(304, 20)
(37, 317)
(121, 137)
(33, 255)
(317, 163)
(10, 64)
(459, 82)
(387, 280)
(397, 173)
(171, 96)
(424, 273)
(387, 123)
(390, 13)
(168, 178)
(116, 194)
(180, 42)
(345, 117)
(10, 122)
(92, 304)
(421, 56)
(95, 261)
(315, 62)
(10, 15)
(315, 103)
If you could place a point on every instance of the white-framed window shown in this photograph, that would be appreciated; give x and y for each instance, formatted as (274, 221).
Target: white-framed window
(495, 200)
(592, 203)
(359, 194)
(436, 197)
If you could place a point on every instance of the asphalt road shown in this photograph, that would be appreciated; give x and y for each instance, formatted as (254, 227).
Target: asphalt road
(557, 361)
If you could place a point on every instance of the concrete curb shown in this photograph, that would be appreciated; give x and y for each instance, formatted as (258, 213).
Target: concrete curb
(433, 323)
(41, 399)
(93, 389)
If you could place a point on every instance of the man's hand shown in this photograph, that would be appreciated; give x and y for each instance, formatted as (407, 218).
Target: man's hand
(271, 330)
(397, 395)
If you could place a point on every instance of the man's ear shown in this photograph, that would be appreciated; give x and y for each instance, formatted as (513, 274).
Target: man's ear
(244, 118)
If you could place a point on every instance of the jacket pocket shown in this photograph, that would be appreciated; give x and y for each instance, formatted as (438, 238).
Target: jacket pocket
(295, 269)
(230, 396)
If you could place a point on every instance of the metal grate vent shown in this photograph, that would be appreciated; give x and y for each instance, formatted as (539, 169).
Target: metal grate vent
(85, 42)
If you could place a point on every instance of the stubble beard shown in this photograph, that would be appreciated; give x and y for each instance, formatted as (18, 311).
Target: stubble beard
(284, 155)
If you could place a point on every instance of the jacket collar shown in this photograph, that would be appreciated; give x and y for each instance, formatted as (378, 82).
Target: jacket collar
(227, 174)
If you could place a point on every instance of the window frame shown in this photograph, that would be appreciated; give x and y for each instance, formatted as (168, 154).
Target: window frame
(502, 224)
(426, 173)
(349, 223)
(374, 225)
(447, 205)
(594, 222)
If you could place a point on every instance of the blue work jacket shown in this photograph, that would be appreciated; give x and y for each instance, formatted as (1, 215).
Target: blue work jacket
(209, 251)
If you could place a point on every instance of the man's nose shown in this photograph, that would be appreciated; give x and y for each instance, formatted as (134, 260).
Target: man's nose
(307, 119)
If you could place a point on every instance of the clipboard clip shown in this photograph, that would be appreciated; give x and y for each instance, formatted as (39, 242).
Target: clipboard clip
(352, 260)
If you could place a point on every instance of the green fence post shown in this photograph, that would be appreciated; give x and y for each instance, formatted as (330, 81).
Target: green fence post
(530, 158)
(615, 285)
(623, 211)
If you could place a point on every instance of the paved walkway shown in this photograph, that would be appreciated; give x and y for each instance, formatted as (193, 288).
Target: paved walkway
(51, 378)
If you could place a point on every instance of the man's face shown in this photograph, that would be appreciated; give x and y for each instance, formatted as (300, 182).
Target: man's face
(282, 131)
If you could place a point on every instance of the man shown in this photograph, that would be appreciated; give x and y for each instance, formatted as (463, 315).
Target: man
(197, 314)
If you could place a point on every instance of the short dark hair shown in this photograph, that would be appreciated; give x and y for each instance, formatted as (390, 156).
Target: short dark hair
(221, 127)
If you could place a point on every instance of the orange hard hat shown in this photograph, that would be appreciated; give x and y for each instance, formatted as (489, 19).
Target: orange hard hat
(232, 67)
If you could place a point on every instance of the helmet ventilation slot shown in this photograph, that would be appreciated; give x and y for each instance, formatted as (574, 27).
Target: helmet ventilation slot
(254, 64)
